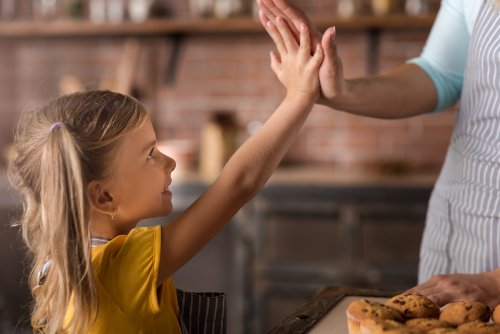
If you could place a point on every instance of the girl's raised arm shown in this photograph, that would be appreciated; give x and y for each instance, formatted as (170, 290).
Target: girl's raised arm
(252, 164)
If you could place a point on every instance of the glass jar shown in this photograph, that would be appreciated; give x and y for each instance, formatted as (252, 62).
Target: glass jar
(97, 11)
(138, 10)
(347, 8)
(416, 7)
(44, 9)
(383, 7)
(201, 8)
(116, 10)
(8, 9)
(226, 8)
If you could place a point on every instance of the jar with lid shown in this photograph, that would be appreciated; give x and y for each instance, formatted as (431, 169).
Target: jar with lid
(218, 143)
(138, 10)
(201, 8)
(383, 7)
(116, 10)
(416, 7)
(45, 9)
(347, 8)
(226, 8)
(7, 9)
(97, 11)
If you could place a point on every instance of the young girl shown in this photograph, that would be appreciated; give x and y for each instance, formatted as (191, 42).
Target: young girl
(88, 168)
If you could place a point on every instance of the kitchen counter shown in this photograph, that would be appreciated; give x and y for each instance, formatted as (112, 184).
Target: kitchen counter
(289, 176)
(325, 311)
(318, 176)
(330, 176)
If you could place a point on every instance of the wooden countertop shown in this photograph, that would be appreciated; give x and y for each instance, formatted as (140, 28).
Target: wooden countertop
(307, 318)
(299, 176)
(330, 176)
(325, 175)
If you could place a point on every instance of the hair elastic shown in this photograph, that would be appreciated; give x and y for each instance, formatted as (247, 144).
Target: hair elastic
(56, 125)
(42, 274)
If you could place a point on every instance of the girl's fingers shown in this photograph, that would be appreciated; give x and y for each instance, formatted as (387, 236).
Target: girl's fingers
(275, 63)
(276, 37)
(318, 55)
(286, 34)
(305, 41)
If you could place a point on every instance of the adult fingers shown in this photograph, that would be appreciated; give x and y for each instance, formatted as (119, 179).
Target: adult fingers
(263, 16)
(330, 46)
(292, 14)
(276, 37)
(272, 12)
(286, 34)
(265, 12)
(297, 17)
(441, 298)
(430, 283)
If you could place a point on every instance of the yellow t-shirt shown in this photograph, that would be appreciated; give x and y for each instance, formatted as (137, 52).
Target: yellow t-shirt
(126, 271)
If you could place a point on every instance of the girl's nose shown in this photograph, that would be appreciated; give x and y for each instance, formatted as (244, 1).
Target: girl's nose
(171, 164)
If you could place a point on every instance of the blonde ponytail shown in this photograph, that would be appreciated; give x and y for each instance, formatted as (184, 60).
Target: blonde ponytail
(51, 169)
(63, 199)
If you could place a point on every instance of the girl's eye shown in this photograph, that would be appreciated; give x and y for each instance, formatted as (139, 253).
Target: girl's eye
(150, 154)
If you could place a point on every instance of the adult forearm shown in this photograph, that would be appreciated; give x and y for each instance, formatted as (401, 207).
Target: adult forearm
(404, 92)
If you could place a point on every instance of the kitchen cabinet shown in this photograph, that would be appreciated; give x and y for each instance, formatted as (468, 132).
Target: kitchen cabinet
(312, 227)
(332, 228)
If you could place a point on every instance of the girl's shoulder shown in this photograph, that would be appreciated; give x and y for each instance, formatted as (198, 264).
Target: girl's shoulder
(140, 242)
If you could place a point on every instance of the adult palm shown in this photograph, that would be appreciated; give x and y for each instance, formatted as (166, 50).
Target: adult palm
(332, 82)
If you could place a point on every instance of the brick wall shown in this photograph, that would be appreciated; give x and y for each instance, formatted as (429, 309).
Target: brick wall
(229, 72)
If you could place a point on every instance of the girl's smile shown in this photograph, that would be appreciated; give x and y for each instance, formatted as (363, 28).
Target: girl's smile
(140, 180)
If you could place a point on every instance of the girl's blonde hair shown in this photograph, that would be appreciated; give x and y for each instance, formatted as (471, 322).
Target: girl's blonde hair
(51, 169)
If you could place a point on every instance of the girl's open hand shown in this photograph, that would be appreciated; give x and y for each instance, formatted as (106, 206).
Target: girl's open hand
(295, 65)
(331, 74)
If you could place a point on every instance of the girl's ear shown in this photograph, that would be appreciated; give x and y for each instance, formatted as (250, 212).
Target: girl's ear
(100, 199)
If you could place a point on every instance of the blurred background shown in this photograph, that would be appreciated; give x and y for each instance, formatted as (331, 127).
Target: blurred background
(347, 205)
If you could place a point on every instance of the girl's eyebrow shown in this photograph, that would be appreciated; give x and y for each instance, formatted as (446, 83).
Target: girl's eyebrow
(148, 146)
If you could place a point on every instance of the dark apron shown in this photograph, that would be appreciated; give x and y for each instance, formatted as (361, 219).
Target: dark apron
(202, 312)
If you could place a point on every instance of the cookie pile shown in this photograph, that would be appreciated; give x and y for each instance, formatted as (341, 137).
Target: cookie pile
(416, 314)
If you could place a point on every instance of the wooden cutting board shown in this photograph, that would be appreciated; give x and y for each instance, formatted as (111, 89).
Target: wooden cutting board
(335, 321)
(325, 311)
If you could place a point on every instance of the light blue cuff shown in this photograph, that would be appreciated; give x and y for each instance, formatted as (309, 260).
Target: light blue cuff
(448, 87)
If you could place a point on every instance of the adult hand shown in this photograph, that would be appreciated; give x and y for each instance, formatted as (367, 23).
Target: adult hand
(331, 76)
(271, 9)
(444, 289)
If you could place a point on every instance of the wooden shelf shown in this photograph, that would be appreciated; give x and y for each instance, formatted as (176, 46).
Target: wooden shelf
(29, 29)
